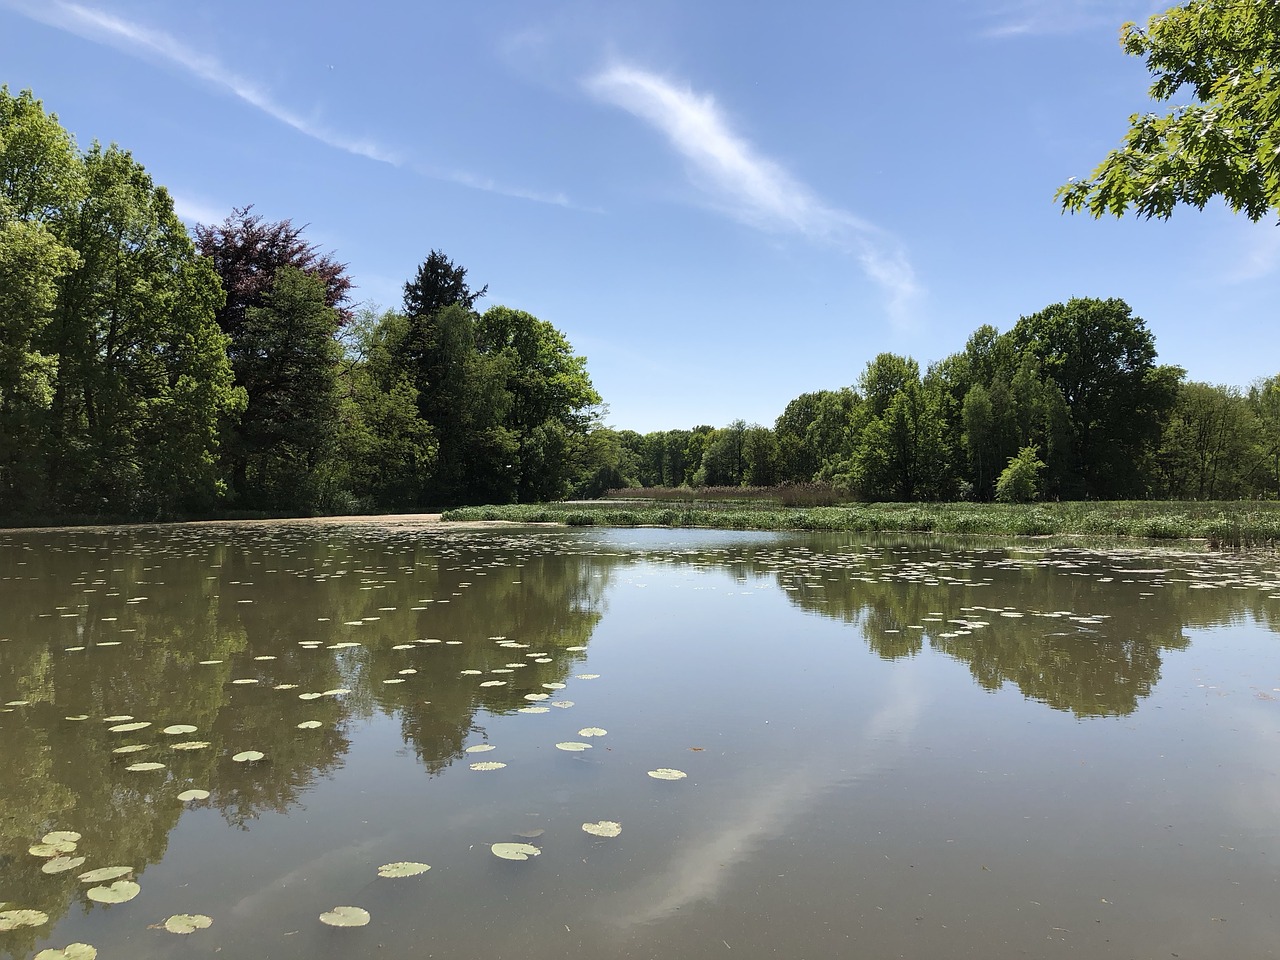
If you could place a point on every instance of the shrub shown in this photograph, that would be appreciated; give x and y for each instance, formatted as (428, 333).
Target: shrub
(1018, 481)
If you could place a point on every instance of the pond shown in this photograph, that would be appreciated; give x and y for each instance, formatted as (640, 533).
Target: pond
(702, 743)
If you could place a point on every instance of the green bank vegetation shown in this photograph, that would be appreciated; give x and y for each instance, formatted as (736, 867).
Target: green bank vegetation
(1221, 525)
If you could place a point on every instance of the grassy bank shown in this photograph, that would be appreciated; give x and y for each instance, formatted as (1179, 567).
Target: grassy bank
(1223, 525)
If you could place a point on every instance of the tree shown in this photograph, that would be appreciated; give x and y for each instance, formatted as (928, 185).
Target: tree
(1018, 481)
(289, 353)
(1102, 359)
(551, 397)
(1227, 52)
(250, 255)
(141, 370)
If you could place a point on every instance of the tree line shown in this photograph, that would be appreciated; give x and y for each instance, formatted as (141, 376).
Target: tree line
(149, 372)
(1068, 404)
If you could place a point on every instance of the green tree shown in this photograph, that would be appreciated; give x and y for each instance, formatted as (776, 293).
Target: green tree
(979, 438)
(1019, 481)
(386, 450)
(724, 460)
(286, 439)
(142, 375)
(552, 401)
(1226, 143)
(1102, 359)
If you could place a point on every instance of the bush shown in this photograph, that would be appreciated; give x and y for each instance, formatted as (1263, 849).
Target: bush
(1018, 481)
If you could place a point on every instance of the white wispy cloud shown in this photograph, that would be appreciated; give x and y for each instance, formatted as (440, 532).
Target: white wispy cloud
(136, 39)
(146, 42)
(1025, 18)
(194, 210)
(744, 184)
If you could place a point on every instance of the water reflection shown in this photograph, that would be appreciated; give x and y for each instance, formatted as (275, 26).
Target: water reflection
(297, 641)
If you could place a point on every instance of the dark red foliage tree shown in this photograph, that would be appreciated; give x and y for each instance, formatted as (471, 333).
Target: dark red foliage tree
(247, 251)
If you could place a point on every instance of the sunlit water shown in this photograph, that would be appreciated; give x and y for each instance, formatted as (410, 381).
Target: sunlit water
(893, 748)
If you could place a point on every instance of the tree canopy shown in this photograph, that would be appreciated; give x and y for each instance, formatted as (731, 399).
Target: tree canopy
(1226, 143)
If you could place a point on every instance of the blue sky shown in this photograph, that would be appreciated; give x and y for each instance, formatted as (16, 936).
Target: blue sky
(721, 204)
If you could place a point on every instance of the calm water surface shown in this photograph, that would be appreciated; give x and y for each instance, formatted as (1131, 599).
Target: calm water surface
(893, 748)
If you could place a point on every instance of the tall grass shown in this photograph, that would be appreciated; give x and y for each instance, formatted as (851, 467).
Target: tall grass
(1222, 525)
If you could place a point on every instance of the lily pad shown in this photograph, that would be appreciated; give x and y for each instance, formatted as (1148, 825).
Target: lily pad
(72, 951)
(55, 849)
(572, 746)
(117, 718)
(103, 874)
(345, 917)
(126, 727)
(592, 732)
(403, 868)
(144, 767)
(81, 716)
(562, 704)
(178, 728)
(534, 710)
(603, 828)
(132, 748)
(310, 696)
(61, 864)
(248, 756)
(488, 765)
(12, 919)
(535, 697)
(195, 793)
(494, 683)
(588, 676)
(553, 686)
(337, 692)
(667, 773)
(481, 748)
(61, 836)
(309, 724)
(185, 923)
(515, 851)
(122, 891)
(191, 745)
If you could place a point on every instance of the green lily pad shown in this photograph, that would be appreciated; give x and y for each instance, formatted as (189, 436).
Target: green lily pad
(337, 692)
(481, 748)
(494, 683)
(562, 704)
(186, 796)
(603, 828)
(553, 686)
(403, 868)
(122, 891)
(190, 745)
(345, 917)
(103, 874)
(588, 676)
(12, 919)
(309, 724)
(132, 748)
(310, 696)
(61, 864)
(55, 849)
(666, 773)
(248, 756)
(534, 710)
(126, 727)
(537, 696)
(178, 728)
(572, 746)
(61, 836)
(144, 767)
(488, 765)
(515, 851)
(592, 732)
(118, 718)
(82, 716)
(72, 951)
(185, 923)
